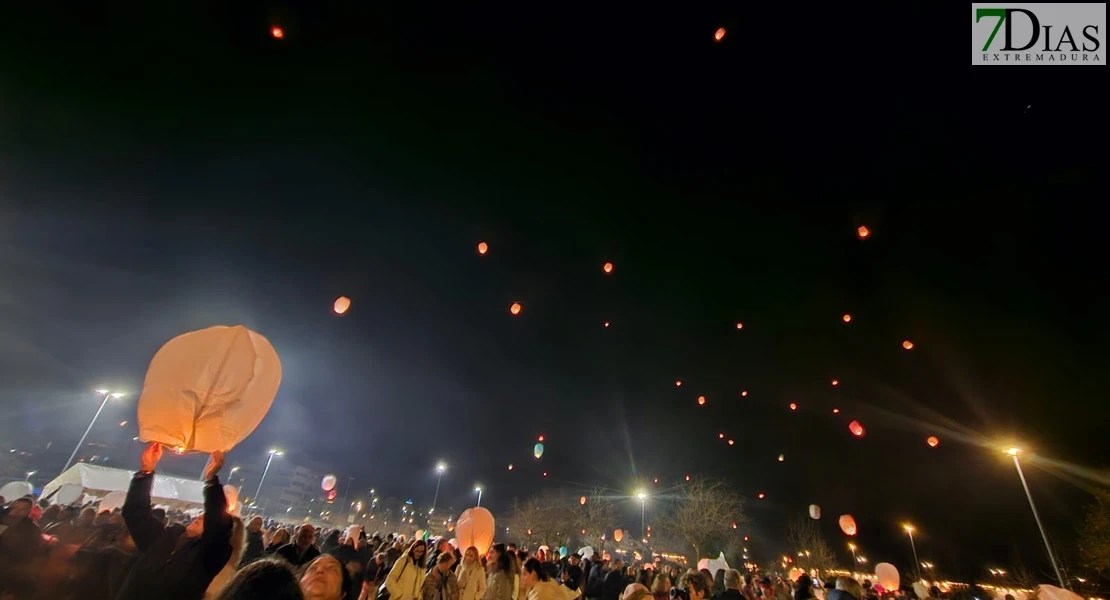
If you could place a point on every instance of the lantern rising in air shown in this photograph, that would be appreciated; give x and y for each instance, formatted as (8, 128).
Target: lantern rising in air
(341, 305)
(687, 478)
(744, 393)
(678, 383)
(606, 324)
(762, 495)
(782, 457)
(515, 308)
(483, 248)
(510, 466)
(277, 32)
(537, 451)
(721, 436)
(847, 318)
(932, 441)
(719, 34)
(835, 382)
(540, 439)
(856, 428)
(582, 501)
(732, 442)
(836, 411)
(607, 267)
(739, 325)
(863, 232)
(701, 400)
(793, 406)
(908, 345)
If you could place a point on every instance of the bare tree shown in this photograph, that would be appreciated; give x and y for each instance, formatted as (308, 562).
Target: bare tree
(811, 550)
(544, 519)
(701, 515)
(596, 518)
(1094, 537)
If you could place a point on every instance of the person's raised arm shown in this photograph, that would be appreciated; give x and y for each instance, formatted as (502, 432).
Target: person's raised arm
(143, 526)
(217, 523)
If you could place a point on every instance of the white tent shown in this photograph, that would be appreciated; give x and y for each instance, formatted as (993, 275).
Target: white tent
(96, 481)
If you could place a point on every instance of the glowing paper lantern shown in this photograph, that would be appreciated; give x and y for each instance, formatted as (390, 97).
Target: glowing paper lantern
(341, 305)
(721, 436)
(932, 441)
(539, 439)
(762, 495)
(735, 525)
(836, 411)
(793, 406)
(908, 345)
(782, 457)
(606, 323)
(847, 318)
(732, 442)
(328, 483)
(856, 428)
(678, 383)
(687, 478)
(207, 390)
(582, 501)
(277, 32)
(475, 528)
(537, 451)
(607, 267)
(744, 393)
(739, 325)
(701, 400)
(888, 577)
(545, 473)
(847, 524)
(863, 232)
(510, 466)
(332, 493)
(835, 382)
(483, 248)
(814, 511)
(618, 535)
(515, 308)
(719, 34)
(231, 492)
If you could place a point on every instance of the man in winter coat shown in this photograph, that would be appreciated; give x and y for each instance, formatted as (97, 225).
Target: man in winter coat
(442, 547)
(614, 582)
(301, 550)
(733, 590)
(255, 546)
(177, 562)
(441, 583)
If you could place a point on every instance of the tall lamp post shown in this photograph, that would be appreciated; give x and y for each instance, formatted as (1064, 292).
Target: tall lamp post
(440, 468)
(909, 532)
(643, 511)
(1013, 452)
(273, 453)
(107, 395)
(852, 547)
(478, 489)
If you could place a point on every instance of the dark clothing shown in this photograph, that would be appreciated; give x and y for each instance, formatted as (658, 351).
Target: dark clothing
(596, 585)
(839, 595)
(729, 594)
(572, 576)
(614, 585)
(254, 548)
(552, 570)
(374, 574)
(292, 553)
(172, 567)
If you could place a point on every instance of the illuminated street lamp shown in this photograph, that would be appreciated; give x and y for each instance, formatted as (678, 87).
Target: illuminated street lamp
(852, 547)
(1013, 452)
(478, 489)
(273, 453)
(909, 532)
(642, 495)
(107, 395)
(440, 468)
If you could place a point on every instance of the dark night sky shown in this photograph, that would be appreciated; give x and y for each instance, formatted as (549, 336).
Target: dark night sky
(171, 169)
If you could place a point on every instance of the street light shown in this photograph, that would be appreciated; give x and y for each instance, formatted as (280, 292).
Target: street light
(852, 547)
(478, 489)
(1013, 452)
(642, 495)
(273, 453)
(440, 468)
(107, 394)
(909, 532)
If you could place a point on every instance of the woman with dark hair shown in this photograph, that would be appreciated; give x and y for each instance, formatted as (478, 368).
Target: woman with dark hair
(804, 591)
(538, 584)
(265, 579)
(325, 578)
(407, 575)
(696, 585)
(499, 581)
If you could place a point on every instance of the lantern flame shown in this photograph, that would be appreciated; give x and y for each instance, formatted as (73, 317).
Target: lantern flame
(908, 345)
(515, 308)
(847, 318)
(483, 248)
(277, 32)
(701, 400)
(342, 304)
(607, 267)
(719, 34)
(863, 232)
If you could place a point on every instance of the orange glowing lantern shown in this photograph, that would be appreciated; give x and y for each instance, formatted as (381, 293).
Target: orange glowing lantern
(607, 267)
(483, 247)
(721, 436)
(735, 525)
(341, 305)
(863, 232)
(515, 308)
(510, 466)
(739, 325)
(606, 323)
(719, 34)
(836, 411)
(744, 393)
(687, 478)
(540, 439)
(618, 535)
(582, 501)
(856, 428)
(847, 524)
(732, 442)
(545, 473)
(908, 345)
(678, 383)
(793, 406)
(656, 480)
(847, 318)
(745, 538)
(932, 441)
(762, 495)
(277, 32)
(782, 457)
(835, 382)
(701, 400)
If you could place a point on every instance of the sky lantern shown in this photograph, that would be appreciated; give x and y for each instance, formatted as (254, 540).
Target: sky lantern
(782, 457)
(475, 528)
(863, 232)
(328, 483)
(332, 493)
(656, 480)
(908, 345)
(510, 466)
(847, 318)
(793, 406)
(606, 324)
(678, 383)
(701, 400)
(735, 525)
(483, 248)
(582, 501)
(545, 473)
(732, 442)
(847, 524)
(761, 495)
(836, 411)
(341, 305)
(739, 325)
(932, 441)
(745, 538)
(814, 511)
(721, 435)
(618, 535)
(719, 34)
(539, 439)
(515, 308)
(856, 428)
(277, 32)
(537, 451)
(607, 267)
(687, 478)
(744, 393)
(835, 382)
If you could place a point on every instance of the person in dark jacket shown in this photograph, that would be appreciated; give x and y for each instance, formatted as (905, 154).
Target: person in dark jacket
(301, 550)
(731, 582)
(572, 573)
(255, 546)
(595, 585)
(177, 563)
(614, 582)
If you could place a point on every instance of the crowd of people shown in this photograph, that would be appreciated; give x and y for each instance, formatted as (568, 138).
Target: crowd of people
(141, 552)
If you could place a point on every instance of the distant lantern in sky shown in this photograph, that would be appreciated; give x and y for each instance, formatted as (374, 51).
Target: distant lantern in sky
(483, 247)
(721, 436)
(678, 383)
(510, 466)
(701, 400)
(732, 442)
(847, 318)
(782, 457)
(745, 538)
(545, 473)
(607, 267)
(835, 382)
(277, 32)
(836, 411)
(932, 441)
(656, 480)
(863, 232)
(739, 325)
(582, 501)
(687, 478)
(341, 305)
(719, 34)
(515, 308)
(762, 495)
(793, 406)
(744, 393)
(537, 451)
(607, 323)
(735, 525)
(856, 428)
(908, 345)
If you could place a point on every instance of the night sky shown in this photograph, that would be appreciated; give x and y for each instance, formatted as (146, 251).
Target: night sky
(171, 169)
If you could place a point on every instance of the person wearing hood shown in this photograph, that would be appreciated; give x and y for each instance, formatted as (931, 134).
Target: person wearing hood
(177, 562)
